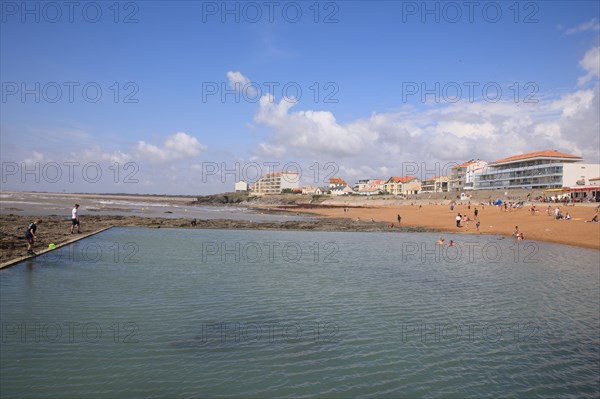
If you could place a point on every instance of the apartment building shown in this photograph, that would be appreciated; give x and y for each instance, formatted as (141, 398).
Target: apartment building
(545, 169)
(437, 184)
(462, 177)
(275, 183)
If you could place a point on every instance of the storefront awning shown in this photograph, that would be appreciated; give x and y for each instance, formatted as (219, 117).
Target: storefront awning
(585, 188)
(557, 190)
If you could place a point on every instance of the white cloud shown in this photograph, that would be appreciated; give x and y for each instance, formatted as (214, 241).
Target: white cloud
(242, 84)
(444, 133)
(271, 151)
(590, 26)
(236, 79)
(572, 104)
(461, 129)
(96, 154)
(35, 158)
(591, 64)
(178, 146)
(313, 131)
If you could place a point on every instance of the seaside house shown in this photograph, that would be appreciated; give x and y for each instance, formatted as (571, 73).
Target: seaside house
(402, 185)
(369, 191)
(338, 186)
(437, 184)
(241, 187)
(372, 187)
(337, 181)
(547, 169)
(462, 177)
(275, 183)
(362, 184)
(341, 190)
(378, 184)
(309, 190)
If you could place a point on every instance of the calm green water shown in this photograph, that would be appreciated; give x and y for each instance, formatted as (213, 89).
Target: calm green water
(212, 313)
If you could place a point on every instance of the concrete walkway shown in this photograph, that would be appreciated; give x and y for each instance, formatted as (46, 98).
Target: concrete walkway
(78, 237)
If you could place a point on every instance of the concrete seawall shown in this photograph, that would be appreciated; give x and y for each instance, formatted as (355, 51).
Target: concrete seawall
(14, 261)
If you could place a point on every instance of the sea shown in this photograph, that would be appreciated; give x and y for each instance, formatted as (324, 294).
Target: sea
(44, 204)
(180, 313)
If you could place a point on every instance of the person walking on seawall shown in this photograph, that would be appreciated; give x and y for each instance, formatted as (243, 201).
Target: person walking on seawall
(30, 235)
(75, 219)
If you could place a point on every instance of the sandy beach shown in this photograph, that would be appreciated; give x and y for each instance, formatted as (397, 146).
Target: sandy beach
(540, 226)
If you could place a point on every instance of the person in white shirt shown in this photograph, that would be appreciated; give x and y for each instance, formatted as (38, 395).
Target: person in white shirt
(75, 219)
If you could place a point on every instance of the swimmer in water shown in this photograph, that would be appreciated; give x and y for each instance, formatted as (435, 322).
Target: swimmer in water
(440, 241)
(451, 244)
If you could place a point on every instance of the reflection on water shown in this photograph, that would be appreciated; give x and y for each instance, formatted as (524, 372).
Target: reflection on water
(180, 313)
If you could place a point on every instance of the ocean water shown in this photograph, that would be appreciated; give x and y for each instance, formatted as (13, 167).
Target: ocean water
(136, 312)
(39, 204)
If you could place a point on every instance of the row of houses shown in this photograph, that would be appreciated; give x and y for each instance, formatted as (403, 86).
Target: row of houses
(280, 182)
(548, 169)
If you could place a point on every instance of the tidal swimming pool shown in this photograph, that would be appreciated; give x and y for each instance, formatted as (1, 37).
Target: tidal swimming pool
(136, 312)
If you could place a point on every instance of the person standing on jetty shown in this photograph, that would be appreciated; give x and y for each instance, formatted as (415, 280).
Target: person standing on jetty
(30, 235)
(75, 219)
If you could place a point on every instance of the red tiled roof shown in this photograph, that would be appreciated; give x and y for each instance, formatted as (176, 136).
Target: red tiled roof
(462, 165)
(537, 154)
(404, 179)
(336, 180)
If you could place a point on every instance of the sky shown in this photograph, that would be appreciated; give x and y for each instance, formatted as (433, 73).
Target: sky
(156, 97)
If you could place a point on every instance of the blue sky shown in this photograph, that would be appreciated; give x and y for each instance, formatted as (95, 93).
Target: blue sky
(355, 64)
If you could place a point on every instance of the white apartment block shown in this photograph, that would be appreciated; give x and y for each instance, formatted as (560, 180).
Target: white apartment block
(537, 170)
(462, 177)
(275, 183)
